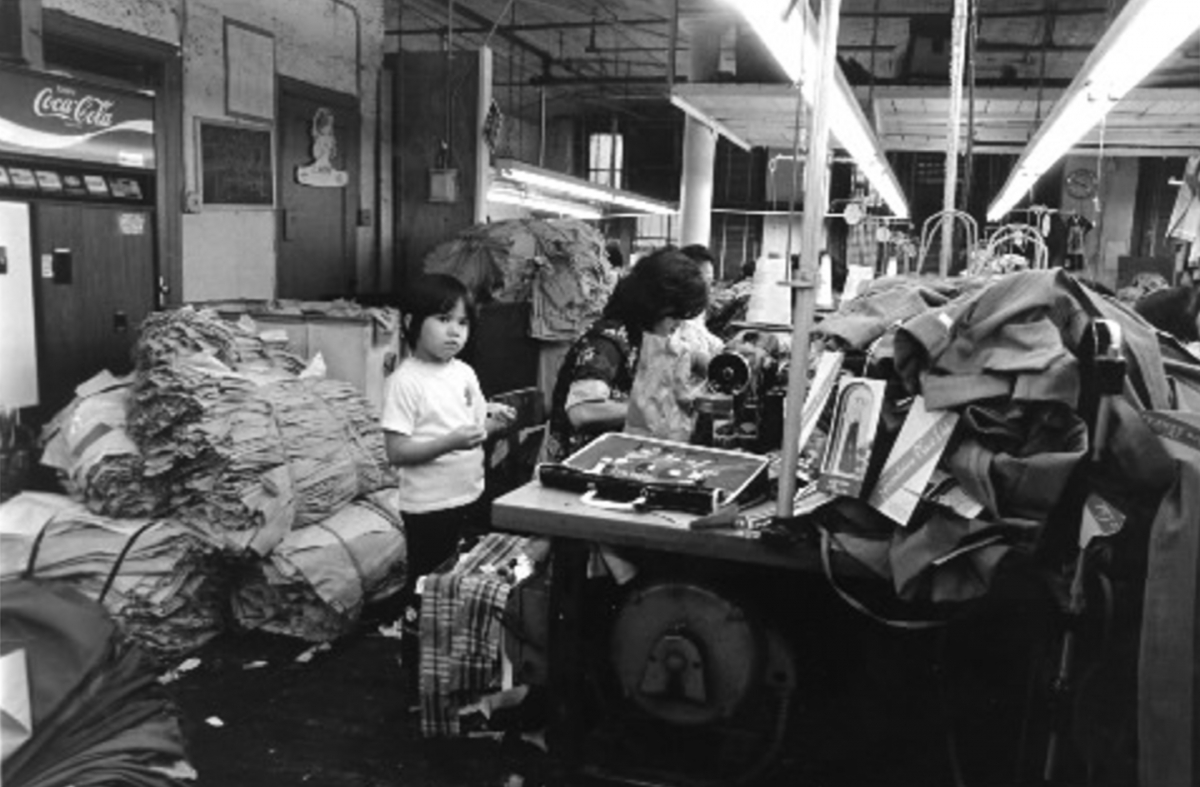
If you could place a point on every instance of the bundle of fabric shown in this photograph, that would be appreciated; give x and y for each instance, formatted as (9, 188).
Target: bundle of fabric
(155, 577)
(315, 583)
(247, 458)
(560, 265)
(87, 709)
(887, 302)
(97, 461)
(165, 336)
(461, 632)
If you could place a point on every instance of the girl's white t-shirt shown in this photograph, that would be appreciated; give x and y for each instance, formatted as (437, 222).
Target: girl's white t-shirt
(428, 400)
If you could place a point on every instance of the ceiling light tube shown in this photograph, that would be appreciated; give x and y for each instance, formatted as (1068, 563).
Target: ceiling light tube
(1145, 33)
(557, 183)
(513, 196)
(847, 121)
(713, 123)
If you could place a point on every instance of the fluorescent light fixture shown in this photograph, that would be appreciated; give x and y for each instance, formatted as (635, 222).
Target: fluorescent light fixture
(793, 43)
(515, 196)
(1145, 33)
(716, 125)
(550, 183)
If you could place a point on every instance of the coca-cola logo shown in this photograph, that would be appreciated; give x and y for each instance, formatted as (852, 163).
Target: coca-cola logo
(64, 103)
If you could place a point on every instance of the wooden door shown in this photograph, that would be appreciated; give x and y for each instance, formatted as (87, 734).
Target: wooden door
(318, 207)
(95, 273)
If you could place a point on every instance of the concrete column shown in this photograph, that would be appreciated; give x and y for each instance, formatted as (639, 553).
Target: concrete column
(699, 141)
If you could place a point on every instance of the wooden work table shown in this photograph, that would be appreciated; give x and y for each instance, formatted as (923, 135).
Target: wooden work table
(573, 526)
(537, 510)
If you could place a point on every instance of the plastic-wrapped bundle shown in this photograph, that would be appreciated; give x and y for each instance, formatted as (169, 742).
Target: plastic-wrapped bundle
(166, 336)
(248, 458)
(154, 576)
(314, 584)
(98, 463)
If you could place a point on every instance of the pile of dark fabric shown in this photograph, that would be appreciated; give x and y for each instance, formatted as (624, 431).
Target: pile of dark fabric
(92, 713)
(1061, 444)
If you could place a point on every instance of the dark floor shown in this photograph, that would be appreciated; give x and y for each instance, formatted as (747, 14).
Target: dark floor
(873, 713)
(339, 720)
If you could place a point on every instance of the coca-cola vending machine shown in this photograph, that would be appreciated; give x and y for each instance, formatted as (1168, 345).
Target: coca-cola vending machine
(77, 170)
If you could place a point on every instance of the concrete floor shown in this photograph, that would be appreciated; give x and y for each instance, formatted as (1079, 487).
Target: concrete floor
(339, 720)
(342, 719)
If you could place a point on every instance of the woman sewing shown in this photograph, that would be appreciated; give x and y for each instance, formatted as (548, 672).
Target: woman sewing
(591, 394)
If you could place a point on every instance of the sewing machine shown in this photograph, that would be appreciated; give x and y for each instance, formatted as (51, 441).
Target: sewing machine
(747, 385)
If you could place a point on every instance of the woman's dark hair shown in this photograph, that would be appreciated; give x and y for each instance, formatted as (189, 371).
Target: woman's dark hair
(1172, 310)
(698, 252)
(616, 257)
(667, 283)
(432, 294)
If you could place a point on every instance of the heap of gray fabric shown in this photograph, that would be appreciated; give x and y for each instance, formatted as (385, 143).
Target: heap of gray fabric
(157, 577)
(248, 457)
(314, 584)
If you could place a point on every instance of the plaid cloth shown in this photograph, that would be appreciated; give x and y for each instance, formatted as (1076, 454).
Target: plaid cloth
(461, 632)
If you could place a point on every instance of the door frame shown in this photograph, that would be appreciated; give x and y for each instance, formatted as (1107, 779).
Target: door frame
(168, 137)
(288, 86)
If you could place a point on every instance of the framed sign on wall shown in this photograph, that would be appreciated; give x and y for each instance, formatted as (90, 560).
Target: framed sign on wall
(235, 164)
(249, 71)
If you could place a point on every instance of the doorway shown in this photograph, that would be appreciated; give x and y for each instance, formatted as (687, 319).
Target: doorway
(101, 286)
(318, 139)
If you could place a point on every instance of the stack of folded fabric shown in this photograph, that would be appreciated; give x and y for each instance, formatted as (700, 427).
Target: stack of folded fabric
(156, 577)
(248, 457)
(313, 585)
(97, 462)
(166, 336)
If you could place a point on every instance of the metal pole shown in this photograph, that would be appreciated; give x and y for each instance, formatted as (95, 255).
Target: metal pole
(804, 296)
(950, 187)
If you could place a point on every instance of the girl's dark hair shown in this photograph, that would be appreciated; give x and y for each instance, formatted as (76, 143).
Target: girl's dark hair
(432, 294)
(1172, 310)
(667, 283)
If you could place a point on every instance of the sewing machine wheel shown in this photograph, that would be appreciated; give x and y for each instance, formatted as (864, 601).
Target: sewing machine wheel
(730, 373)
(684, 654)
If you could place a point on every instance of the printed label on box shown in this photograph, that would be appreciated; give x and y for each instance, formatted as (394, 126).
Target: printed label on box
(909, 466)
(848, 452)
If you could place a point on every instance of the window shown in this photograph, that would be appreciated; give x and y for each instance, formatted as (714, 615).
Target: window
(606, 159)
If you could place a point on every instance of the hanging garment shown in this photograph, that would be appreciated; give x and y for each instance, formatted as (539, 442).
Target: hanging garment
(461, 632)
(1167, 690)
(1185, 216)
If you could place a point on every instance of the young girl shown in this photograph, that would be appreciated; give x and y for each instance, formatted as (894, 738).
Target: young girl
(435, 421)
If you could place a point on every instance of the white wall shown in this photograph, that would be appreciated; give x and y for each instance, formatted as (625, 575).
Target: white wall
(333, 44)
(18, 351)
(157, 19)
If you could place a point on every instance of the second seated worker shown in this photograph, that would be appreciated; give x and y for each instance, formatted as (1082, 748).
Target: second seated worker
(435, 421)
(592, 390)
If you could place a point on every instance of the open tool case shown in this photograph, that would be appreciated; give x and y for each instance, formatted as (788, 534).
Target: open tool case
(628, 471)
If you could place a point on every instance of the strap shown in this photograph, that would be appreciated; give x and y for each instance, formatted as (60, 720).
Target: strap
(31, 565)
(911, 625)
(112, 575)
